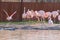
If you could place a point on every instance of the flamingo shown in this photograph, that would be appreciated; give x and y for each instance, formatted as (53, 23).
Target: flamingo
(42, 13)
(59, 18)
(55, 14)
(28, 14)
(48, 14)
(24, 14)
(37, 15)
(58, 11)
(50, 21)
(9, 17)
(32, 13)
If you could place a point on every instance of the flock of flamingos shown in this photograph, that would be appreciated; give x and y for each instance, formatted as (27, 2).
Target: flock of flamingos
(41, 15)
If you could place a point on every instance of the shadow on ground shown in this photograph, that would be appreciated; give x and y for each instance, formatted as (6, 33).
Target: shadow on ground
(31, 28)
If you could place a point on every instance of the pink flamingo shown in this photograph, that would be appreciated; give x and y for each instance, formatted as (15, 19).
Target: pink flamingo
(37, 15)
(59, 18)
(31, 14)
(48, 14)
(28, 14)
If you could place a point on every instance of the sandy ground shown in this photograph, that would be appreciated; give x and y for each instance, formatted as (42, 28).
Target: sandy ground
(30, 35)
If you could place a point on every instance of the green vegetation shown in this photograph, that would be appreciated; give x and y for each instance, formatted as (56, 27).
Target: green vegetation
(25, 22)
(21, 22)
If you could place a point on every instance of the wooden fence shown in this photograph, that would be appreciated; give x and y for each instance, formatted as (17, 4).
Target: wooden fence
(10, 7)
(42, 6)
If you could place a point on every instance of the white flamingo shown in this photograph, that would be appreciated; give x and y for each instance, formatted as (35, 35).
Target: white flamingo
(42, 13)
(58, 11)
(55, 14)
(9, 17)
(24, 14)
(50, 21)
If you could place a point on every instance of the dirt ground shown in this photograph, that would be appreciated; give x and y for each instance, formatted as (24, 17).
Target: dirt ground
(30, 35)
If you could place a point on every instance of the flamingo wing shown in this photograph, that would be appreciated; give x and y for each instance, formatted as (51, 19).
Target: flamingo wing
(6, 12)
(13, 13)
